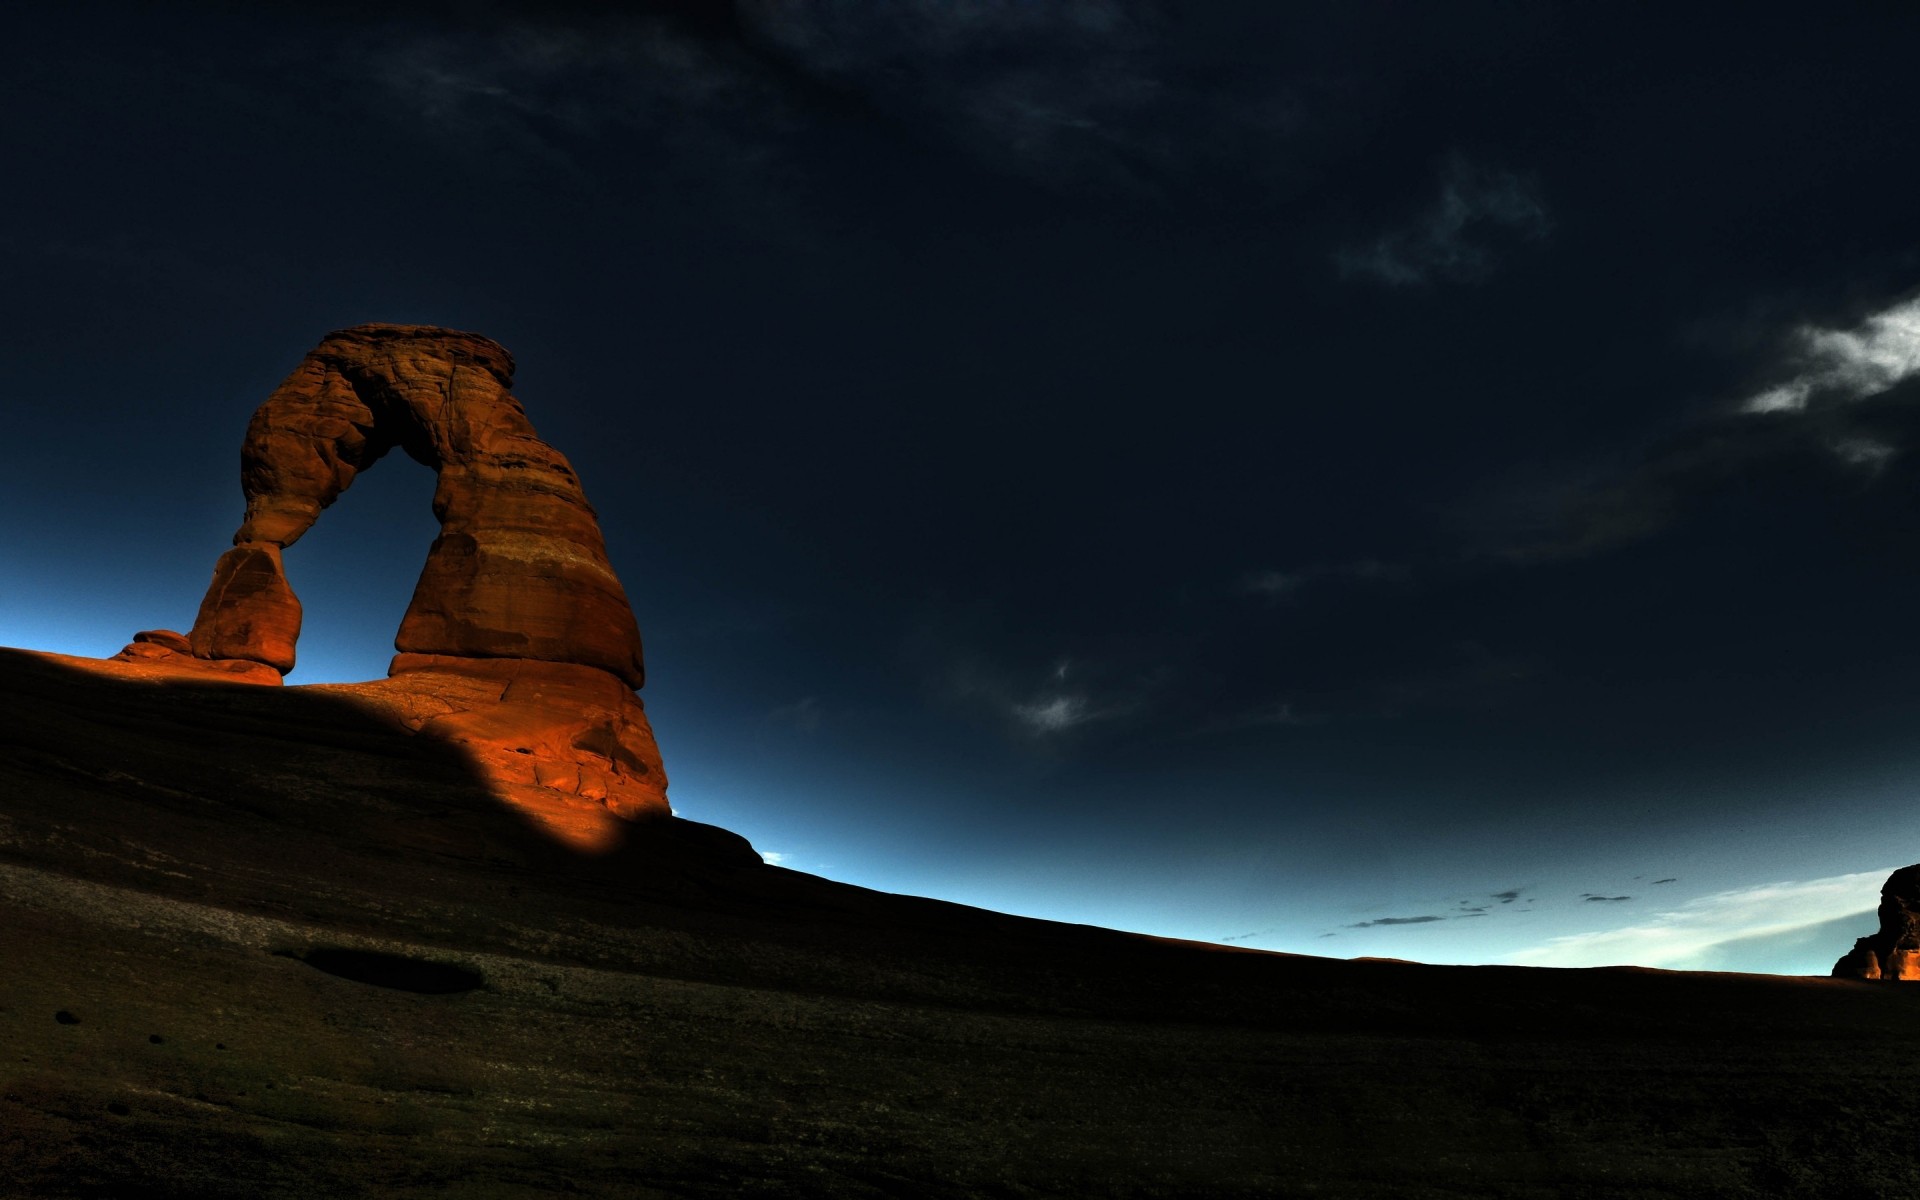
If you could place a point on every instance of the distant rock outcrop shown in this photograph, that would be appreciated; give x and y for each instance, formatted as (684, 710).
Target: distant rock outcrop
(519, 641)
(1893, 952)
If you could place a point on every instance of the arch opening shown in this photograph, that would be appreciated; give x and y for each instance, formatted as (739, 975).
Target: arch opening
(357, 568)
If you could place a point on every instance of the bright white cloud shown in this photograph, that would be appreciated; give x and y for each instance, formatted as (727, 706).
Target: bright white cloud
(1788, 397)
(773, 858)
(1683, 938)
(1848, 364)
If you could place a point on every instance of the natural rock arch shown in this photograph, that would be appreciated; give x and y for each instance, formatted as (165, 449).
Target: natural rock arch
(518, 644)
(520, 567)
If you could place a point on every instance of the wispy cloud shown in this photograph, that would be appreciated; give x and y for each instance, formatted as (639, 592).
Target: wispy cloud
(1039, 705)
(1864, 451)
(1459, 676)
(1061, 704)
(1280, 714)
(543, 95)
(1841, 406)
(1054, 713)
(1280, 585)
(1080, 95)
(1845, 365)
(1051, 89)
(803, 714)
(1463, 910)
(1451, 240)
(1686, 935)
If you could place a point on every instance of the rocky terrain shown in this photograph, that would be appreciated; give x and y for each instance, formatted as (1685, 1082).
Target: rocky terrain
(519, 643)
(259, 942)
(439, 936)
(1893, 950)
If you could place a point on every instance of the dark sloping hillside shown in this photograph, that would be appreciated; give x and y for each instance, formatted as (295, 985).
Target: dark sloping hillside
(256, 943)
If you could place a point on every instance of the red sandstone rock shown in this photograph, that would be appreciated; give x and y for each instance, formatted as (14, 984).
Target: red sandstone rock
(520, 568)
(1894, 951)
(249, 611)
(161, 654)
(164, 639)
(568, 746)
(518, 644)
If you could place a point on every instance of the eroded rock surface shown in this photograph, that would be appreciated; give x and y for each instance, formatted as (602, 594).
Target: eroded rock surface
(1894, 951)
(568, 746)
(519, 643)
(520, 568)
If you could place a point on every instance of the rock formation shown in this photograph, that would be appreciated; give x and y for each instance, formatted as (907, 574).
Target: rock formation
(519, 641)
(1894, 951)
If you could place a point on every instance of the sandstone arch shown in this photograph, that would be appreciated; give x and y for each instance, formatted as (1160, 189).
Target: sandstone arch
(520, 567)
(518, 643)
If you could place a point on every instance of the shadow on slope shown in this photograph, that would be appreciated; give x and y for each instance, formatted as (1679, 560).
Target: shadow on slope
(673, 1019)
(279, 800)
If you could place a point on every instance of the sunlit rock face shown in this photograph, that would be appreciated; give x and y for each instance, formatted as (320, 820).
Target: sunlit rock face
(566, 745)
(520, 569)
(1894, 951)
(519, 642)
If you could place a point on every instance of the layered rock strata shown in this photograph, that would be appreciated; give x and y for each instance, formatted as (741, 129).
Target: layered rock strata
(519, 641)
(1894, 951)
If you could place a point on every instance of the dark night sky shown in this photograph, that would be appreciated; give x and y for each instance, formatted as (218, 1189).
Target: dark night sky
(1419, 480)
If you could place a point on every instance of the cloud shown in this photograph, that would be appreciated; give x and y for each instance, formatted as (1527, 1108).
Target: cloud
(1842, 407)
(1066, 696)
(1591, 898)
(1689, 934)
(1272, 583)
(1459, 676)
(1858, 450)
(1101, 99)
(1051, 714)
(773, 858)
(1465, 910)
(1280, 714)
(803, 714)
(1845, 365)
(1277, 585)
(1448, 242)
(1669, 879)
(582, 99)
(1082, 95)
(1057, 706)
(1064, 93)
(1597, 512)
